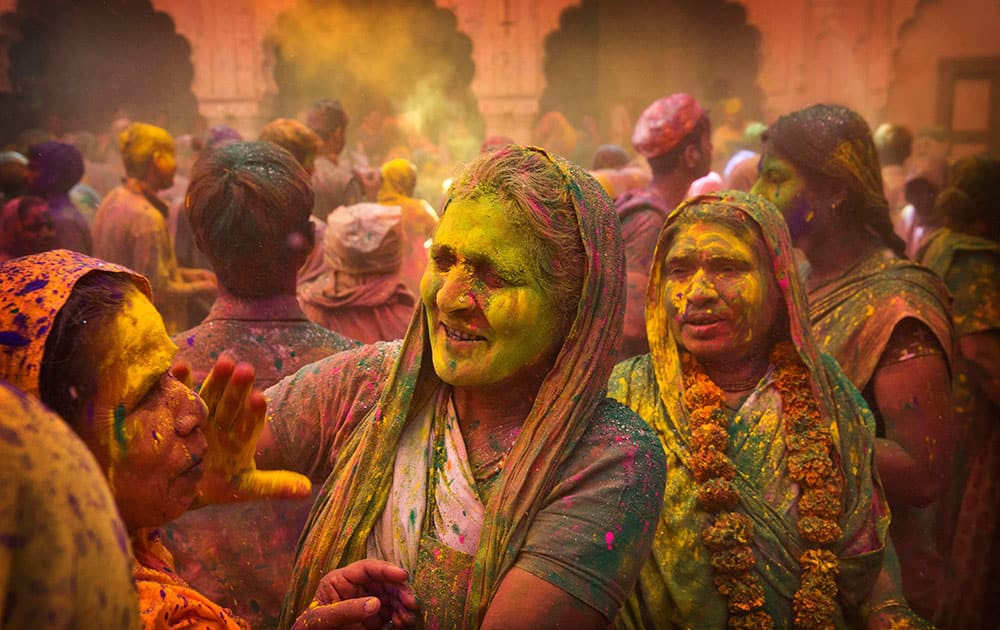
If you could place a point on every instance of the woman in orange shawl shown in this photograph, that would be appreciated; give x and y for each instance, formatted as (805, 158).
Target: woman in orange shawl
(481, 452)
(83, 336)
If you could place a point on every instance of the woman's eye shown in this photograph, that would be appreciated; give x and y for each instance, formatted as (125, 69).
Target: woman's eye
(494, 280)
(442, 262)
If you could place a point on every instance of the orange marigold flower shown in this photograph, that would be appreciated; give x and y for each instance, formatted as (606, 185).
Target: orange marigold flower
(818, 531)
(728, 530)
(821, 562)
(711, 463)
(733, 561)
(823, 502)
(756, 620)
(709, 435)
(703, 393)
(800, 440)
(715, 495)
(745, 596)
(811, 467)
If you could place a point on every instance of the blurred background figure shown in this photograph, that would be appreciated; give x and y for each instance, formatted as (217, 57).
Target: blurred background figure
(131, 226)
(360, 293)
(249, 205)
(333, 184)
(26, 227)
(674, 135)
(612, 169)
(54, 168)
(894, 144)
(399, 180)
(13, 175)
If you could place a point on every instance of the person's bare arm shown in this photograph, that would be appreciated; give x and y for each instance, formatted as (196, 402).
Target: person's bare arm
(524, 601)
(914, 400)
(981, 352)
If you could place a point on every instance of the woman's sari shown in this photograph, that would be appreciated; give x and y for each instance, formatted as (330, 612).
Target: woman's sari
(378, 497)
(676, 587)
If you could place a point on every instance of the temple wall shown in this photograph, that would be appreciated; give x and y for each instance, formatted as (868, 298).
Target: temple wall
(882, 57)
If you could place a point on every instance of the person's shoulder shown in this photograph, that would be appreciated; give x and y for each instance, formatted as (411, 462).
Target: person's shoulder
(620, 429)
(374, 359)
(629, 373)
(326, 340)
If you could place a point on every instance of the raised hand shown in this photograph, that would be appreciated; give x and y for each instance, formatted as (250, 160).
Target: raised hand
(236, 415)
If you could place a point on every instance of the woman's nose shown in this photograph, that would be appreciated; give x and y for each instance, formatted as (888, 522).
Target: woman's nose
(701, 289)
(191, 411)
(454, 294)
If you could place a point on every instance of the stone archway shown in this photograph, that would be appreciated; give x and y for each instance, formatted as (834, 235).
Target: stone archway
(608, 55)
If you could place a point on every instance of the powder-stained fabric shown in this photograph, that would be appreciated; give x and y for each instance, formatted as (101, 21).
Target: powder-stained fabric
(350, 413)
(968, 265)
(247, 568)
(165, 600)
(64, 556)
(676, 587)
(131, 231)
(399, 177)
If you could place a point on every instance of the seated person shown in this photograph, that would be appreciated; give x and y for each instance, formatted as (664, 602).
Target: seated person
(83, 336)
(360, 293)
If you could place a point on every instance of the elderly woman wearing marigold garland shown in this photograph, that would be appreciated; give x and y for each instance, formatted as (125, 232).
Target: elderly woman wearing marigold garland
(773, 515)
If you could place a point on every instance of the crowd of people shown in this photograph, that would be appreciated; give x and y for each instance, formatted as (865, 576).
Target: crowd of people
(741, 377)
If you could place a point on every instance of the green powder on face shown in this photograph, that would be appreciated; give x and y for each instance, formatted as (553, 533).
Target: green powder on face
(119, 416)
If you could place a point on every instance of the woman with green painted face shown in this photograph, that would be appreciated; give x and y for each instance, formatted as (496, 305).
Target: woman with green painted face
(882, 317)
(481, 452)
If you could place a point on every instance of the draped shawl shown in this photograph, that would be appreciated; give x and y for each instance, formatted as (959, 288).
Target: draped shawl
(676, 586)
(356, 492)
(854, 316)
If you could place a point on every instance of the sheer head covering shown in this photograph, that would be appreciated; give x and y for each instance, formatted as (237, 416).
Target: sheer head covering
(399, 178)
(679, 565)
(355, 494)
(364, 238)
(665, 123)
(35, 288)
(833, 143)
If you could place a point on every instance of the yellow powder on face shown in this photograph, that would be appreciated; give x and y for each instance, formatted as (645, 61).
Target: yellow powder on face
(135, 353)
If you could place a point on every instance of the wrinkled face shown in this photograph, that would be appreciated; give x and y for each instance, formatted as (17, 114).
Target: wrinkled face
(490, 321)
(722, 299)
(146, 423)
(781, 183)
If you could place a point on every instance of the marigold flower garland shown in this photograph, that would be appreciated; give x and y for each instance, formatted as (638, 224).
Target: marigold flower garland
(728, 533)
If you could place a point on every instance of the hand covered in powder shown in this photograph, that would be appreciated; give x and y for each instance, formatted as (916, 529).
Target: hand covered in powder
(236, 415)
(364, 595)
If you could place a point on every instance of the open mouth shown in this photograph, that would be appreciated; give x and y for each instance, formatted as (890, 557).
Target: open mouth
(457, 335)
